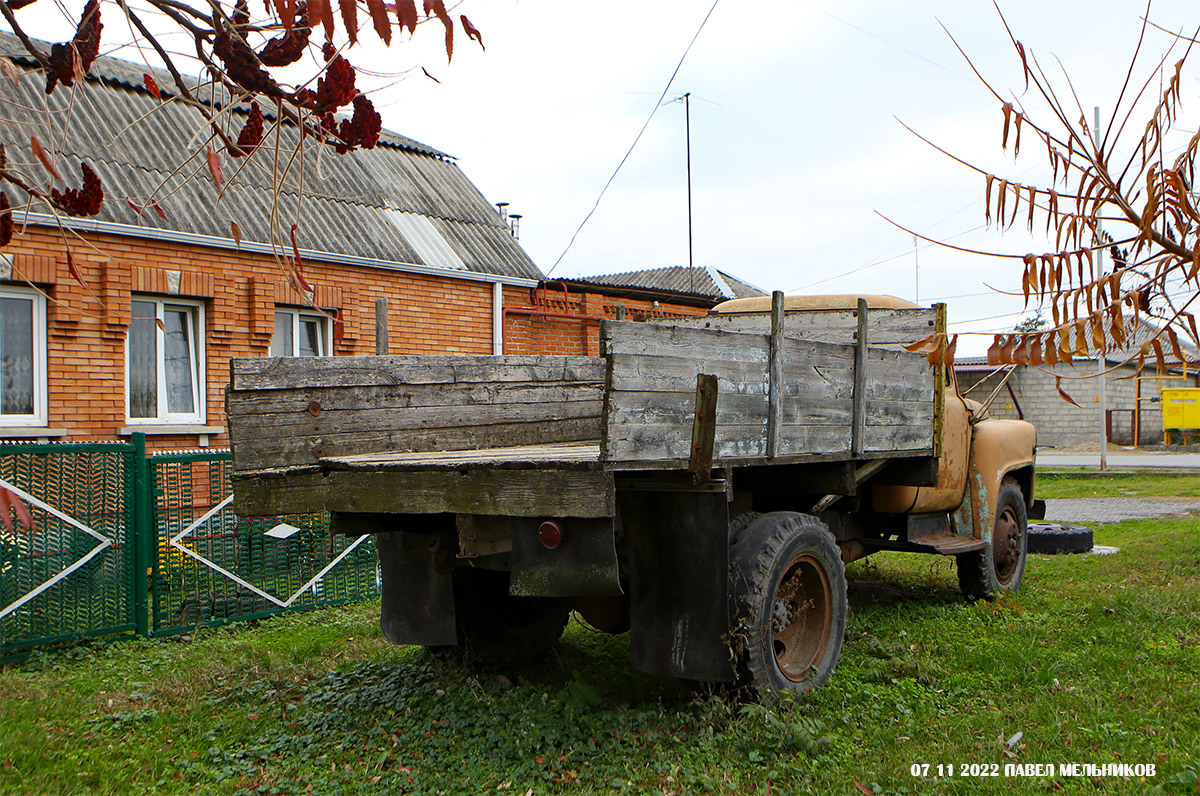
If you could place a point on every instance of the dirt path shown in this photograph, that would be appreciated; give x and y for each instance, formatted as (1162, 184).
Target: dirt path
(1093, 510)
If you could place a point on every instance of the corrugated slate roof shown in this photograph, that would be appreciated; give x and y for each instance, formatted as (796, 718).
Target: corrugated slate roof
(694, 280)
(346, 204)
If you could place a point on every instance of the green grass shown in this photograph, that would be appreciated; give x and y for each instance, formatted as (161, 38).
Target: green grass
(1095, 661)
(1126, 484)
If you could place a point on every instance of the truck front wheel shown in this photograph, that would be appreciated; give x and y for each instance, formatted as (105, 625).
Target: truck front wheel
(998, 568)
(789, 602)
(498, 629)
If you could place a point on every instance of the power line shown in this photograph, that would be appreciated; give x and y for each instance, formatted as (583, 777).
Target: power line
(657, 105)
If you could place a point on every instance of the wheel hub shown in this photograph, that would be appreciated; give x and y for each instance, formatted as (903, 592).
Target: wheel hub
(801, 616)
(1006, 545)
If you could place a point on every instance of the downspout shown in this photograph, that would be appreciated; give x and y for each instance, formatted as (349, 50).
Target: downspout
(497, 318)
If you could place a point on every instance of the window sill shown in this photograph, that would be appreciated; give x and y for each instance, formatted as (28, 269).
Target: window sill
(152, 430)
(31, 432)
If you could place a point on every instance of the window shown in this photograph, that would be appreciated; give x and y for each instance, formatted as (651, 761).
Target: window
(22, 357)
(300, 334)
(164, 362)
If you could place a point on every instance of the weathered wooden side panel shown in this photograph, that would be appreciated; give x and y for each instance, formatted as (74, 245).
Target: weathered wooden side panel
(294, 411)
(650, 402)
(887, 327)
(473, 490)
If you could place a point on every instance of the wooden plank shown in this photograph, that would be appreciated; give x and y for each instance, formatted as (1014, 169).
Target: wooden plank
(775, 374)
(251, 453)
(704, 427)
(516, 455)
(650, 339)
(410, 396)
(887, 326)
(898, 438)
(636, 373)
(858, 419)
(495, 492)
(283, 373)
(367, 416)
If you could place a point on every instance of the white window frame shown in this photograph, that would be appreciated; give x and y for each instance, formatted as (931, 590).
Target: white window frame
(297, 315)
(199, 375)
(39, 416)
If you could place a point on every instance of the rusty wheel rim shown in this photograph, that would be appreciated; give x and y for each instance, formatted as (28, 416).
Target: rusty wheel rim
(801, 615)
(1006, 545)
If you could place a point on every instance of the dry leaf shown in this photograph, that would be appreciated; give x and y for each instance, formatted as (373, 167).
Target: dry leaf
(152, 87)
(1063, 393)
(472, 31)
(44, 157)
(237, 234)
(214, 167)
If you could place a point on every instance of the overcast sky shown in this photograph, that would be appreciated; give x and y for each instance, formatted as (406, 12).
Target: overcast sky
(796, 147)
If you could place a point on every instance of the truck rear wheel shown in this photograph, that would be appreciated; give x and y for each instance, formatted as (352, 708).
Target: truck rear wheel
(998, 568)
(789, 603)
(498, 629)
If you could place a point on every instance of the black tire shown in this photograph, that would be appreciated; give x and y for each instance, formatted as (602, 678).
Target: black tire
(1053, 537)
(788, 586)
(998, 568)
(497, 629)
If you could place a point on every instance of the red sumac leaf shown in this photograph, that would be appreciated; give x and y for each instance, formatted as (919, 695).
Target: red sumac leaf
(1063, 393)
(71, 269)
(406, 15)
(7, 226)
(11, 503)
(379, 18)
(133, 206)
(917, 346)
(471, 31)
(350, 19)
(993, 352)
(948, 353)
(214, 168)
(152, 87)
(161, 213)
(298, 265)
(44, 157)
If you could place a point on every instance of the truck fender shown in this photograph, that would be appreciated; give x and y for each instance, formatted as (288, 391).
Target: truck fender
(998, 448)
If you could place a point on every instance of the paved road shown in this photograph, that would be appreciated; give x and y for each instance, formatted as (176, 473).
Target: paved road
(1048, 460)
(1117, 509)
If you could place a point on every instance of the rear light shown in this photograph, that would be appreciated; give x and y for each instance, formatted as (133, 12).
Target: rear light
(551, 534)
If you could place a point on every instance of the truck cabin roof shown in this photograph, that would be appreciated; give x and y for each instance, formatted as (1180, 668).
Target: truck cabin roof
(840, 301)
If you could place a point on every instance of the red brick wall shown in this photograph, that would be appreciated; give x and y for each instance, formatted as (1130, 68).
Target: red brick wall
(87, 323)
(533, 322)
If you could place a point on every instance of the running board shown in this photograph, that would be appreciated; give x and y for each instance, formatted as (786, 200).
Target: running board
(946, 545)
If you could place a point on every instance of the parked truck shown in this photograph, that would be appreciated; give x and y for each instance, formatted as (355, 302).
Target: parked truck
(701, 484)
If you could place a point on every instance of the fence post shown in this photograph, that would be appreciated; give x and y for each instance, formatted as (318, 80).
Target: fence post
(143, 533)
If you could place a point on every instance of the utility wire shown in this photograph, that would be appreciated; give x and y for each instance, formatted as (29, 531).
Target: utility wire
(657, 105)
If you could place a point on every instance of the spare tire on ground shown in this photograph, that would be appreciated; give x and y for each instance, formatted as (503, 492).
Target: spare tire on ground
(1055, 537)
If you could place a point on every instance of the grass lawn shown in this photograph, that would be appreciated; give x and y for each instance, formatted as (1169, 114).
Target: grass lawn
(1095, 661)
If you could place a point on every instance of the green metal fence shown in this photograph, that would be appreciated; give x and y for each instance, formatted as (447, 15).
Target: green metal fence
(210, 566)
(101, 539)
(66, 547)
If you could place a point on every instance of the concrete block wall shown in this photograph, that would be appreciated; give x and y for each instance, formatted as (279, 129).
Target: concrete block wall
(1063, 425)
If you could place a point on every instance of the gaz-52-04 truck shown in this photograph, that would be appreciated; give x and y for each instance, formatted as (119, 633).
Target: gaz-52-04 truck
(701, 484)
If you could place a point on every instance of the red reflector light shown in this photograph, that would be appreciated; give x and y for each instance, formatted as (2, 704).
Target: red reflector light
(551, 534)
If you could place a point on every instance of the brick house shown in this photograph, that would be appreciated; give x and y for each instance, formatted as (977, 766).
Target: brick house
(563, 316)
(126, 321)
